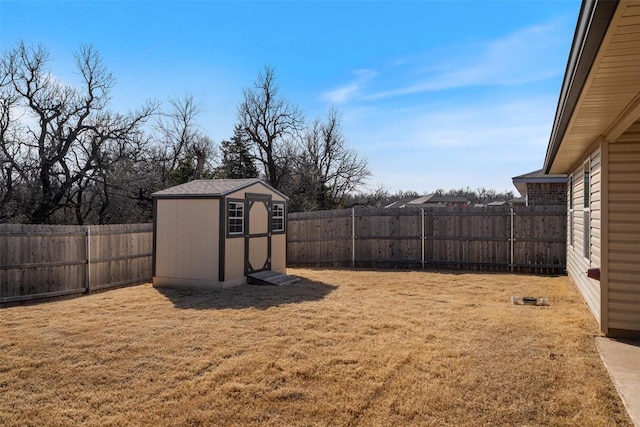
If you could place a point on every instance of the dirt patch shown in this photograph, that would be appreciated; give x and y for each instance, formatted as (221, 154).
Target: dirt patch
(338, 348)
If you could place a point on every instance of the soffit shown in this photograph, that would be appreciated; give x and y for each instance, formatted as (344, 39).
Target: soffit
(610, 97)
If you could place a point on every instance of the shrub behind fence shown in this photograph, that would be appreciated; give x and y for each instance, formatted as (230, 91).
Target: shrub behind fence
(529, 239)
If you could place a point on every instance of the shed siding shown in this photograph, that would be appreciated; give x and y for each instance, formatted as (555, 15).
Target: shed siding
(577, 264)
(165, 249)
(192, 244)
(234, 259)
(258, 219)
(256, 188)
(187, 239)
(279, 257)
(624, 231)
(235, 264)
(258, 252)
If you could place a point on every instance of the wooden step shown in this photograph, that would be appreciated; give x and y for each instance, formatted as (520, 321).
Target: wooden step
(270, 278)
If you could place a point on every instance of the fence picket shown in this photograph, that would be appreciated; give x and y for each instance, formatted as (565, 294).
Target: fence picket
(531, 240)
(40, 261)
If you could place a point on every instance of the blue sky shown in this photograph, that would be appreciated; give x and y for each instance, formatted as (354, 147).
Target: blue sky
(436, 94)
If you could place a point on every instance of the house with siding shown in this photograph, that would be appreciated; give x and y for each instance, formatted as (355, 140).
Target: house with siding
(595, 141)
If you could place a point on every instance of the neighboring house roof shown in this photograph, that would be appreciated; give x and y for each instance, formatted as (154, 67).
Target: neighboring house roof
(428, 200)
(498, 203)
(536, 177)
(397, 204)
(435, 199)
(594, 101)
(214, 188)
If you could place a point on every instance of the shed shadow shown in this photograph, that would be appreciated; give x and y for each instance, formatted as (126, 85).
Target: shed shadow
(247, 296)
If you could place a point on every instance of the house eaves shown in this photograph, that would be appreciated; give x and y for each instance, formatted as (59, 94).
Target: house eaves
(593, 22)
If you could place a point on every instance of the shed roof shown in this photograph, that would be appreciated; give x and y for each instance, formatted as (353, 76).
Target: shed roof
(214, 188)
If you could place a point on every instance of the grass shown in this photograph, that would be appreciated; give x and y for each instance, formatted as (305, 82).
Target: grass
(339, 348)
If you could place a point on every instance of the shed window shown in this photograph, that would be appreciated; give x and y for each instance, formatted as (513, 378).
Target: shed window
(236, 218)
(277, 220)
(586, 188)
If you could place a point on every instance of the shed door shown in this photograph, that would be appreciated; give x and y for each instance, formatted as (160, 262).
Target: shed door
(258, 238)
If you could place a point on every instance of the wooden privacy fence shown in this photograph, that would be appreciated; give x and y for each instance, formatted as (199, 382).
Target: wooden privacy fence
(528, 239)
(40, 261)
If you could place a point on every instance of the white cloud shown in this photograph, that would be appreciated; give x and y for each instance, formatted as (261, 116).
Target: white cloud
(484, 125)
(347, 92)
(481, 122)
(479, 144)
(482, 113)
(524, 56)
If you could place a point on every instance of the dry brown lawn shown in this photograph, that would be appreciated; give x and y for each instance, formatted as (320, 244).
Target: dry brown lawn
(339, 348)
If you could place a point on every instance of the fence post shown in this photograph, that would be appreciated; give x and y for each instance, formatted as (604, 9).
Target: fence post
(422, 237)
(353, 237)
(88, 284)
(511, 241)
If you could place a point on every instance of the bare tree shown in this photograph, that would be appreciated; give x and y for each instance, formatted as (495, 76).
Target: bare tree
(270, 122)
(377, 197)
(106, 193)
(479, 195)
(327, 168)
(185, 152)
(177, 129)
(69, 131)
(8, 100)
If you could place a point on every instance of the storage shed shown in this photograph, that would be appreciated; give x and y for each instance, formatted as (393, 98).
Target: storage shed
(213, 233)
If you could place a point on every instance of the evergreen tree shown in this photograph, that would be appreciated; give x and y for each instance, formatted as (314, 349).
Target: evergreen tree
(237, 161)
